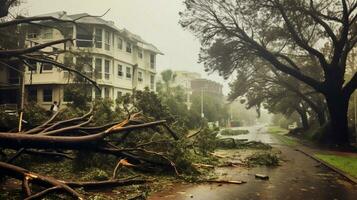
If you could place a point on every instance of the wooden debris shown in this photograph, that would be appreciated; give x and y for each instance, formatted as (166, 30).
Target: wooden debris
(226, 182)
(262, 176)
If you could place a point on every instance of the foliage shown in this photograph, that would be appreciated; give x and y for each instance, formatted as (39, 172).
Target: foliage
(214, 107)
(233, 132)
(33, 115)
(96, 174)
(263, 158)
(206, 141)
(263, 37)
(104, 112)
(7, 121)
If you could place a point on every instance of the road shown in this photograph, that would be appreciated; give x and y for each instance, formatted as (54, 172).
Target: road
(299, 177)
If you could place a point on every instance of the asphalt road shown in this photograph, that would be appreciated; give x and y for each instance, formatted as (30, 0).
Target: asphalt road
(299, 178)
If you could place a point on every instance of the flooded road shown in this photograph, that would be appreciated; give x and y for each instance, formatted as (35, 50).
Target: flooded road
(299, 177)
(256, 133)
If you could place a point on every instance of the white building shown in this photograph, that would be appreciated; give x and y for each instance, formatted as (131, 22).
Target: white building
(118, 59)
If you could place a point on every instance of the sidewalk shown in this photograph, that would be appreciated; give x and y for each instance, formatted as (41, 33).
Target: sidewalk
(315, 152)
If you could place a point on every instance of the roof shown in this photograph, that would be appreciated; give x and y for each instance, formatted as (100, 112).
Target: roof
(85, 18)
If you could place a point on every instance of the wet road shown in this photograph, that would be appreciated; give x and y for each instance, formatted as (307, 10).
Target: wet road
(256, 133)
(299, 177)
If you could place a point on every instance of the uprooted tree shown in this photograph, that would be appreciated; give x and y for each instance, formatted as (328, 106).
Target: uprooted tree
(278, 32)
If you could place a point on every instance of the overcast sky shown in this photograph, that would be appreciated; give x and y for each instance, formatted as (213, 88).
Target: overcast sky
(156, 21)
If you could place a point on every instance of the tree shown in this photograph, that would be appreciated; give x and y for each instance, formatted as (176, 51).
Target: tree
(264, 86)
(277, 32)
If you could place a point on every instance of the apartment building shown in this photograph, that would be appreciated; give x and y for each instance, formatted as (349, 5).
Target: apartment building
(116, 58)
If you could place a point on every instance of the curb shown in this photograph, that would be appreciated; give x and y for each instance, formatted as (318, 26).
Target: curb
(350, 178)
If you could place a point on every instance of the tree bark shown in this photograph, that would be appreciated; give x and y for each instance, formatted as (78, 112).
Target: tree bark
(303, 117)
(338, 107)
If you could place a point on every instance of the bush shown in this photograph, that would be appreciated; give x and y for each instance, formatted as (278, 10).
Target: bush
(263, 158)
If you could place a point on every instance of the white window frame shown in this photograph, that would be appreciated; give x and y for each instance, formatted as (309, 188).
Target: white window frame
(120, 72)
(128, 74)
(107, 40)
(140, 76)
(107, 69)
(129, 47)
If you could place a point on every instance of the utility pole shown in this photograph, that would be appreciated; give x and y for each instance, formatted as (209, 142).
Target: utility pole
(22, 100)
(202, 114)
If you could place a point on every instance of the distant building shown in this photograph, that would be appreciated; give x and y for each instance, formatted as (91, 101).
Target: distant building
(206, 86)
(183, 79)
(118, 59)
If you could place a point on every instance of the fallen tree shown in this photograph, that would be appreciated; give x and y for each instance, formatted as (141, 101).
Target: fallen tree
(51, 136)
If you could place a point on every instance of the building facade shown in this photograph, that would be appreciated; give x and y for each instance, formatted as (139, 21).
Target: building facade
(183, 79)
(117, 59)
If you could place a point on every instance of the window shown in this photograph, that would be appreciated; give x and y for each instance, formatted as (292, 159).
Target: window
(120, 43)
(32, 95)
(119, 94)
(32, 35)
(106, 92)
(128, 72)
(152, 82)
(128, 47)
(47, 95)
(107, 70)
(67, 96)
(68, 60)
(47, 67)
(107, 40)
(13, 77)
(84, 36)
(120, 70)
(98, 38)
(152, 61)
(140, 76)
(98, 68)
(33, 67)
(98, 94)
(32, 32)
(140, 54)
(47, 33)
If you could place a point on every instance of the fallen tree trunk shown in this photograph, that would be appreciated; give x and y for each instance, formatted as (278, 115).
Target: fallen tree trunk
(17, 141)
(54, 185)
(27, 176)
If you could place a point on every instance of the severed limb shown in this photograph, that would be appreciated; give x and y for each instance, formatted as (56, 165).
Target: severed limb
(27, 176)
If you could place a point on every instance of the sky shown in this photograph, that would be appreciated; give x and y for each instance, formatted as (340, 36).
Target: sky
(156, 21)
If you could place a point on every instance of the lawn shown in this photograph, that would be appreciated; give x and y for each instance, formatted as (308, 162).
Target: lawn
(277, 130)
(344, 163)
(280, 134)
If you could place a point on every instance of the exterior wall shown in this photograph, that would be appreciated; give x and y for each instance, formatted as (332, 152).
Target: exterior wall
(116, 56)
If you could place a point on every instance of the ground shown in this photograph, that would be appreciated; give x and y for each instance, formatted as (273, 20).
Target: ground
(298, 177)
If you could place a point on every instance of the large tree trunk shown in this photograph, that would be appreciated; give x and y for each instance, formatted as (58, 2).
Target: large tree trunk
(304, 120)
(321, 117)
(338, 107)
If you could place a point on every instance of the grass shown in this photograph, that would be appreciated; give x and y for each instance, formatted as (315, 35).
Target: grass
(344, 163)
(234, 132)
(277, 130)
(280, 133)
